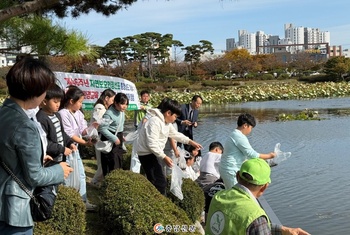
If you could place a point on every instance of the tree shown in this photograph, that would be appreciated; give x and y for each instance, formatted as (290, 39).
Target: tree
(62, 8)
(241, 62)
(338, 66)
(194, 52)
(41, 38)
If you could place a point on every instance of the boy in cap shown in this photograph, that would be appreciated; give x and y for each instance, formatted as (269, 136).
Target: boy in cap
(237, 211)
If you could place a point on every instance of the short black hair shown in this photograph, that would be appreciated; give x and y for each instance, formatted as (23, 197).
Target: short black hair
(144, 92)
(171, 105)
(195, 98)
(29, 78)
(246, 118)
(54, 92)
(214, 145)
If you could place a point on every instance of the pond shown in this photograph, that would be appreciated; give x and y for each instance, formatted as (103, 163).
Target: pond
(310, 189)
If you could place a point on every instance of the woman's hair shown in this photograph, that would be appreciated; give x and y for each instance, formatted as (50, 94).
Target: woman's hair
(29, 78)
(121, 98)
(73, 93)
(246, 118)
(104, 94)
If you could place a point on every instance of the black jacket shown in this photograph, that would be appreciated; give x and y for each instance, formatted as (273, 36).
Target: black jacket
(53, 148)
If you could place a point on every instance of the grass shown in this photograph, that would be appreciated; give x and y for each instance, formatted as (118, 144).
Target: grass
(93, 223)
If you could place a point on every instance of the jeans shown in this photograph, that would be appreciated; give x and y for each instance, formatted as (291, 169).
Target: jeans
(6, 229)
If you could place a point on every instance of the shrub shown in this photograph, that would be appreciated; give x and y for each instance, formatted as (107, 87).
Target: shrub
(193, 201)
(130, 204)
(267, 76)
(179, 84)
(68, 216)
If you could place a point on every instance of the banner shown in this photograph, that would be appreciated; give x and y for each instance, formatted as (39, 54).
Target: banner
(94, 85)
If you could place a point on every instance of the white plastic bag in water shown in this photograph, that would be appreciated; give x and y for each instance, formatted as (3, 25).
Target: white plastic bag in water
(280, 156)
(176, 182)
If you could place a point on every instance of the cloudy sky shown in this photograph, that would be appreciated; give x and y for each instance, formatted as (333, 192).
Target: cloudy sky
(216, 20)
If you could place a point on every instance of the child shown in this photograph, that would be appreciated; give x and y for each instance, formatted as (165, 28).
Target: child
(145, 105)
(114, 133)
(238, 150)
(209, 168)
(60, 144)
(152, 138)
(75, 126)
(191, 158)
(105, 100)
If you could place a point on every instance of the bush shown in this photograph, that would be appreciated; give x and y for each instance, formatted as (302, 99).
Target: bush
(267, 76)
(130, 204)
(193, 201)
(178, 84)
(68, 216)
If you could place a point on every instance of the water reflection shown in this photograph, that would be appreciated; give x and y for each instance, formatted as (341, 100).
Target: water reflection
(310, 189)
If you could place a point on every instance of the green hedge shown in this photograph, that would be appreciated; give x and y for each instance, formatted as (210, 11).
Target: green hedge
(193, 201)
(68, 216)
(130, 204)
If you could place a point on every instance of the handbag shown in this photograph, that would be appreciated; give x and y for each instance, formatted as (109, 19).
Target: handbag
(42, 200)
(106, 146)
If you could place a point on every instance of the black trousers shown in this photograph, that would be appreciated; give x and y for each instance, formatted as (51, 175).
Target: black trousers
(154, 172)
(114, 159)
(189, 135)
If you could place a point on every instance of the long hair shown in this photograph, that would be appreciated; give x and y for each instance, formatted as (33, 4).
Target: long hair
(73, 93)
(104, 94)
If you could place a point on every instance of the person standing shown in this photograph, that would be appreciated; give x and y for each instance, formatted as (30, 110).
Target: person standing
(238, 149)
(144, 106)
(105, 100)
(75, 126)
(23, 145)
(114, 133)
(60, 145)
(152, 138)
(189, 117)
(236, 211)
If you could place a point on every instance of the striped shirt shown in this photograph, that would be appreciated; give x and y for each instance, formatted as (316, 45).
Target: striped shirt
(57, 125)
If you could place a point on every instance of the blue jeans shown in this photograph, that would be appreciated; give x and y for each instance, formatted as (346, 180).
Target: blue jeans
(6, 229)
(82, 189)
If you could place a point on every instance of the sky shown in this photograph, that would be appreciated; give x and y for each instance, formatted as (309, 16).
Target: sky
(216, 20)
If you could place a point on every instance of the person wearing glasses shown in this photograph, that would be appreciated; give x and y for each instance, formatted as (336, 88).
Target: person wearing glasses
(238, 149)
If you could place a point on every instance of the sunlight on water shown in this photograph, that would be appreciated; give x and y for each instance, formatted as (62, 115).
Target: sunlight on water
(311, 188)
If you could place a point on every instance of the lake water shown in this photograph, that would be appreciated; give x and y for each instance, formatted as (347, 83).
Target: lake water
(310, 189)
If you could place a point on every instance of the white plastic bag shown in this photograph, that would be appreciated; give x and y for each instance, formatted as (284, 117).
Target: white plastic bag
(135, 164)
(280, 156)
(131, 137)
(182, 159)
(73, 180)
(104, 146)
(176, 182)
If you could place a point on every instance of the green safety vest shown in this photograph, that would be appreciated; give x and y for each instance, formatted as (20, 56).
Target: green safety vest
(231, 212)
(139, 114)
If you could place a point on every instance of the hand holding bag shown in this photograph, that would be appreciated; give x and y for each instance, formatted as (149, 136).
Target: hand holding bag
(42, 200)
(106, 146)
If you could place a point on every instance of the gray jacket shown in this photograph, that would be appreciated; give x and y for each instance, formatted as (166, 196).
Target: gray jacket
(21, 150)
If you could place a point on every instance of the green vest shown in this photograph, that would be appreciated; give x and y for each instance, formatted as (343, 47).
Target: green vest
(139, 114)
(231, 212)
